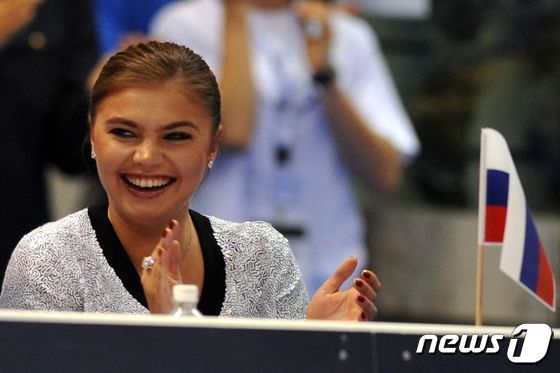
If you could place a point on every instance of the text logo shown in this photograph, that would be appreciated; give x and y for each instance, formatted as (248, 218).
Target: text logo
(533, 347)
(528, 344)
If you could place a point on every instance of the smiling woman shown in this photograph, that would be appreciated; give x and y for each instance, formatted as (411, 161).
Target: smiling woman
(155, 130)
(147, 137)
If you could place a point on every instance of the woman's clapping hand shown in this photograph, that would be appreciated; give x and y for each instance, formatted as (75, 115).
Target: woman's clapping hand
(356, 303)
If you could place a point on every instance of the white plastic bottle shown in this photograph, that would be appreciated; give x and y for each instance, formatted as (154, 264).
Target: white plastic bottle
(186, 300)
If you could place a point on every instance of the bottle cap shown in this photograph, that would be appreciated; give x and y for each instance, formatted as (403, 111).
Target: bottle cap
(185, 293)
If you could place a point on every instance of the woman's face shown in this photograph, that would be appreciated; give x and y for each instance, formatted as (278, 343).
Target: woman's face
(152, 146)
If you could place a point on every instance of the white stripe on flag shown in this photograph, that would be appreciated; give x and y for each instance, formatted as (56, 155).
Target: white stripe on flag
(497, 152)
(511, 259)
(498, 157)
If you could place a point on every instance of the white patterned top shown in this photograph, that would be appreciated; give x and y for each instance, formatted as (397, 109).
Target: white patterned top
(60, 266)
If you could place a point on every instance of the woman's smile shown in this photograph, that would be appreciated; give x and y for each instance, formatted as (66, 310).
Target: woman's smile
(148, 185)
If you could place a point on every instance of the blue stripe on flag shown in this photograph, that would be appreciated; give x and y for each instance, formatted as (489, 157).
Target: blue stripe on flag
(530, 264)
(497, 188)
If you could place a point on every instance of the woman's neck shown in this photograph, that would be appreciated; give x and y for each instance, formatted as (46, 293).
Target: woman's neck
(139, 240)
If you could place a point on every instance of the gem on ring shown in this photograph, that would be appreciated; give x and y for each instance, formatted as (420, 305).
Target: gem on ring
(148, 262)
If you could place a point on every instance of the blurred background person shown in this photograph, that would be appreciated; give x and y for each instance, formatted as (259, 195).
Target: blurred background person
(307, 102)
(14, 15)
(464, 65)
(118, 24)
(46, 50)
(120, 20)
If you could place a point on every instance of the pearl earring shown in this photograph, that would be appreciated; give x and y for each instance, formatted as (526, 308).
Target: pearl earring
(211, 163)
(93, 155)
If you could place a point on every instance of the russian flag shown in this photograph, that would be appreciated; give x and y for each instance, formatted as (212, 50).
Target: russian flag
(505, 219)
(497, 186)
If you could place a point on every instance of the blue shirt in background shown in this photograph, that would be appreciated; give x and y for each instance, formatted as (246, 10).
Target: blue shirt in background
(115, 18)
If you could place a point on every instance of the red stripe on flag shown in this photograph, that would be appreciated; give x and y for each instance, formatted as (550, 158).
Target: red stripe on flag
(495, 223)
(545, 282)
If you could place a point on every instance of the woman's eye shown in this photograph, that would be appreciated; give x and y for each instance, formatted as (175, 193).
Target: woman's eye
(175, 136)
(121, 132)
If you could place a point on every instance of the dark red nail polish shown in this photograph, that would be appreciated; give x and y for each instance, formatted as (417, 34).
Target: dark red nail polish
(361, 298)
(164, 233)
(363, 315)
(171, 224)
(366, 274)
(359, 283)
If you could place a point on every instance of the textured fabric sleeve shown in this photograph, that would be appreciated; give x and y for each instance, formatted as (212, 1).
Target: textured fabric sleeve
(262, 276)
(290, 294)
(40, 278)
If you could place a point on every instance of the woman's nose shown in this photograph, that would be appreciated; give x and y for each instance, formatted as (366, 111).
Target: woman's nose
(147, 154)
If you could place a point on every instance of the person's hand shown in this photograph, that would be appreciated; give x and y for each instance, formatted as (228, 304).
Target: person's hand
(351, 8)
(125, 41)
(158, 280)
(237, 9)
(356, 303)
(132, 38)
(314, 18)
(15, 14)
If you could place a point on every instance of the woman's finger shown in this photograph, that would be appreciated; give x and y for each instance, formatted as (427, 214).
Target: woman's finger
(369, 310)
(365, 289)
(172, 262)
(175, 230)
(342, 272)
(372, 279)
(158, 252)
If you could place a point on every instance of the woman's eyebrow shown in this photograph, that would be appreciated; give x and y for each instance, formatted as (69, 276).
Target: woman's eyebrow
(171, 126)
(175, 125)
(121, 121)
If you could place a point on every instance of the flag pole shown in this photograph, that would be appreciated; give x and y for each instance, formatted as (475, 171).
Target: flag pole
(479, 283)
(481, 228)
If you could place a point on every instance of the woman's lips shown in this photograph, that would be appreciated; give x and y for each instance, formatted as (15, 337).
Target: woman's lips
(148, 185)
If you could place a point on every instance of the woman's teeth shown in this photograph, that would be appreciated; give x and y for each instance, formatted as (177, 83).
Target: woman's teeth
(148, 182)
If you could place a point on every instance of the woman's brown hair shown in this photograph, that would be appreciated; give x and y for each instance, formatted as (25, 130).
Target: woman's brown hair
(154, 62)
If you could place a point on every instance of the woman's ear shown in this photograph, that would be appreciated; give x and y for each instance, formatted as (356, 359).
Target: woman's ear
(90, 127)
(91, 141)
(215, 145)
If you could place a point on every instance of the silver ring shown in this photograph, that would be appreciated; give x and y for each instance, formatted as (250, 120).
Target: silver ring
(148, 262)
